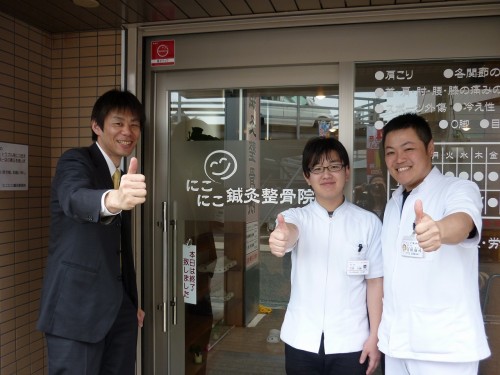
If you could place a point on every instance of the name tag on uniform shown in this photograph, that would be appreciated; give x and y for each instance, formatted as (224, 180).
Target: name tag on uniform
(410, 247)
(358, 267)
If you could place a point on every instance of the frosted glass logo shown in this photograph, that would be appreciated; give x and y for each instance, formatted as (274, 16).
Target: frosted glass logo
(220, 165)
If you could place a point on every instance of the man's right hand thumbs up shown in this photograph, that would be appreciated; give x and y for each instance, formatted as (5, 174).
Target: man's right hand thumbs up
(132, 190)
(427, 230)
(419, 211)
(132, 166)
(132, 187)
(280, 237)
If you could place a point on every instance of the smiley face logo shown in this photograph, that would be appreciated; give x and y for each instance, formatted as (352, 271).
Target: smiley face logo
(220, 165)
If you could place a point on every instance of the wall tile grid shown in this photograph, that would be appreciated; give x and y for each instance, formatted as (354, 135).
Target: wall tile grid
(48, 85)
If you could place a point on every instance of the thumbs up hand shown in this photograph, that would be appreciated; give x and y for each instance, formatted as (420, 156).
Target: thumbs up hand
(132, 187)
(132, 166)
(283, 237)
(427, 230)
(132, 190)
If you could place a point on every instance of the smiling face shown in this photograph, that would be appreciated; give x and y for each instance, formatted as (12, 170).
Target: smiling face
(329, 186)
(119, 135)
(407, 158)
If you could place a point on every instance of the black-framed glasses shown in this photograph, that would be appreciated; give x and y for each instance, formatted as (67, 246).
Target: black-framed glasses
(319, 169)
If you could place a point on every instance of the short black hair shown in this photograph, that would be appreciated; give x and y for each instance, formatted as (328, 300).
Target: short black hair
(116, 100)
(319, 147)
(409, 121)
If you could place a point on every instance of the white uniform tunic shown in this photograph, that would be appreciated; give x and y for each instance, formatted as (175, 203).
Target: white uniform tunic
(323, 297)
(431, 305)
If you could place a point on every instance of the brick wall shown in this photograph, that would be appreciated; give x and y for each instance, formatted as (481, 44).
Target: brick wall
(48, 85)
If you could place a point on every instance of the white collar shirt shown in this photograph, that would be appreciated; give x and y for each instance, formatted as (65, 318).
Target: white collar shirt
(112, 169)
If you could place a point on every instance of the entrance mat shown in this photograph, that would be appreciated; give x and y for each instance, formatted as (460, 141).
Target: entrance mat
(224, 362)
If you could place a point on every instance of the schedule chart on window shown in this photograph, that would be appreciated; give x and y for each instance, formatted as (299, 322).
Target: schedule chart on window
(478, 162)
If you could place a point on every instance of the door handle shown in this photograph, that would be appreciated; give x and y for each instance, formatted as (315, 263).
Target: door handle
(164, 265)
(173, 302)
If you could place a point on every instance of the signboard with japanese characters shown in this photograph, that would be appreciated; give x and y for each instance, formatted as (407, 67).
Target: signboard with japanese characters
(252, 119)
(189, 273)
(461, 102)
(13, 166)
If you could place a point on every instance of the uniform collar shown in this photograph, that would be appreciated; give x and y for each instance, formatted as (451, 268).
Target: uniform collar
(425, 182)
(324, 213)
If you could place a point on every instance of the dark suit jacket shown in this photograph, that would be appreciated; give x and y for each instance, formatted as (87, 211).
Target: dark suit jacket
(83, 286)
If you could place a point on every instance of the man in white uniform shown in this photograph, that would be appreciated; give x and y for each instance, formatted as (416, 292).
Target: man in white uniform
(335, 306)
(431, 322)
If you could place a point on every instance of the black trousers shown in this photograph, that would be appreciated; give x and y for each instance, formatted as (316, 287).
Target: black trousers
(114, 355)
(300, 362)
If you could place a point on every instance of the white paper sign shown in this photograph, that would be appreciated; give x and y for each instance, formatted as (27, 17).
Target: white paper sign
(189, 273)
(13, 166)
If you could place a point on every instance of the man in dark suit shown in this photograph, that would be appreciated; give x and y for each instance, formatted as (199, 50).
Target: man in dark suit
(89, 310)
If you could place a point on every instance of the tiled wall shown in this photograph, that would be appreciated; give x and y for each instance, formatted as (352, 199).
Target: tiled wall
(84, 66)
(48, 85)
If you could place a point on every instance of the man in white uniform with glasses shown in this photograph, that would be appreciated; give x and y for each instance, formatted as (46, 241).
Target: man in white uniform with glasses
(335, 305)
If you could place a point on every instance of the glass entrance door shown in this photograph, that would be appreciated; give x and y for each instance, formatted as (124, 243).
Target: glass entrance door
(227, 161)
(235, 163)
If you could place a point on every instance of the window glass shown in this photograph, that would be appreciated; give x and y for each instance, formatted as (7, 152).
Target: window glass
(461, 101)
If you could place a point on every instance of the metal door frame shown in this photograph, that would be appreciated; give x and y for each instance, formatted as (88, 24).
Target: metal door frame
(159, 217)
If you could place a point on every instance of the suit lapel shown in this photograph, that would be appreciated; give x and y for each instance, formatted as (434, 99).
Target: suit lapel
(103, 176)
